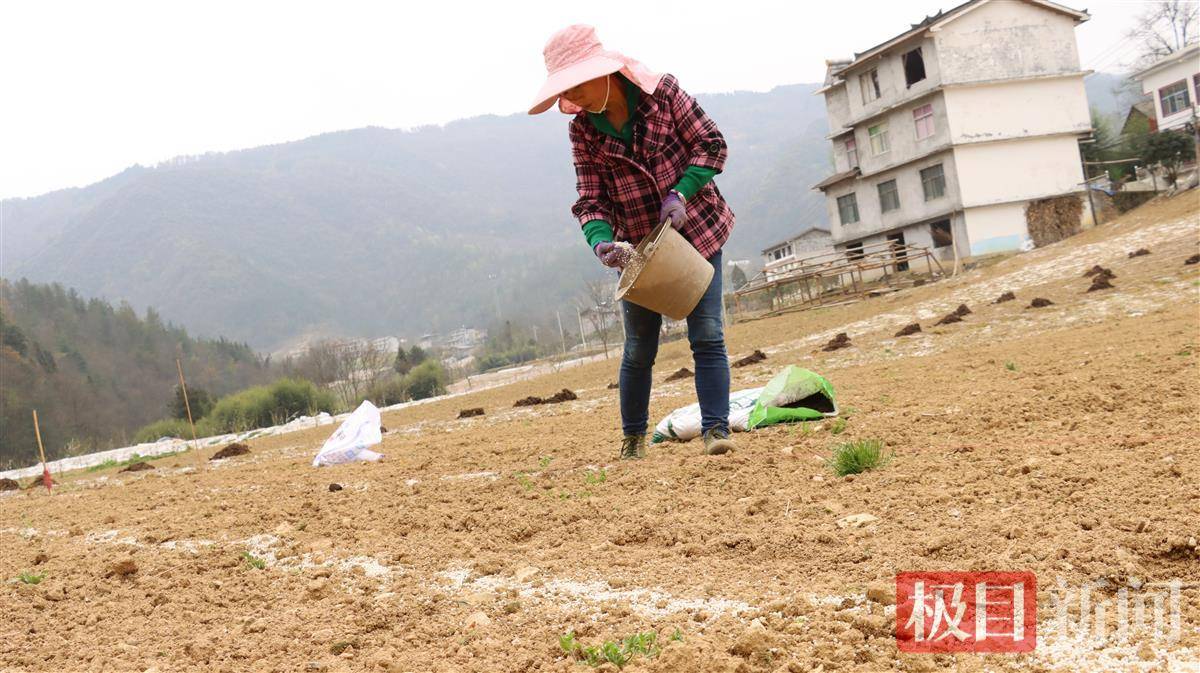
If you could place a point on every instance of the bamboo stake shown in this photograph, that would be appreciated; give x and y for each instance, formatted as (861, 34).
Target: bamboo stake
(37, 430)
(188, 406)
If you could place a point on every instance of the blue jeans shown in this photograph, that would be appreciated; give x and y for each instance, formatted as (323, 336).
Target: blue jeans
(707, 337)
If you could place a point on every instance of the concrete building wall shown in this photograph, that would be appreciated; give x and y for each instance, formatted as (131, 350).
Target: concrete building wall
(1005, 39)
(1187, 68)
(913, 206)
(1018, 170)
(893, 88)
(902, 135)
(837, 107)
(1017, 109)
(996, 228)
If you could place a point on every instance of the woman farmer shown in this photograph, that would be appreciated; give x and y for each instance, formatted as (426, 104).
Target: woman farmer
(644, 153)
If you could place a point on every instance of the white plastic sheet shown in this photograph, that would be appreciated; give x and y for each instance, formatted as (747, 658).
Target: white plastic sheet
(352, 438)
(684, 423)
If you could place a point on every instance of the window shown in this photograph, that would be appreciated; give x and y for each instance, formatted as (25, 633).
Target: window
(854, 251)
(898, 251)
(1174, 98)
(879, 139)
(869, 83)
(852, 153)
(781, 252)
(889, 197)
(940, 233)
(933, 180)
(923, 118)
(848, 209)
(914, 67)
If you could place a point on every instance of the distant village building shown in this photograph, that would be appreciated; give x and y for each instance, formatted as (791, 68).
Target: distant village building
(947, 131)
(1173, 83)
(811, 241)
(1140, 119)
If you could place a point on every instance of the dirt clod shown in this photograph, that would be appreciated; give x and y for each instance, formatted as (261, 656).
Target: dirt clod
(912, 328)
(684, 373)
(1098, 270)
(335, 487)
(1008, 295)
(1140, 252)
(1194, 259)
(37, 481)
(234, 449)
(9, 485)
(1040, 302)
(470, 413)
(139, 466)
(949, 318)
(614, 386)
(842, 340)
(962, 310)
(122, 568)
(1100, 282)
(564, 395)
(753, 358)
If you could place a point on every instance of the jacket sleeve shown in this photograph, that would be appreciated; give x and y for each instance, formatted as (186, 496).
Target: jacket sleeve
(593, 202)
(698, 131)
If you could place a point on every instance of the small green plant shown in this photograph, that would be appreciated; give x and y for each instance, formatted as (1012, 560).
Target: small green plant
(593, 477)
(31, 578)
(253, 561)
(544, 461)
(615, 652)
(1010, 365)
(837, 427)
(805, 429)
(857, 456)
(677, 637)
(524, 480)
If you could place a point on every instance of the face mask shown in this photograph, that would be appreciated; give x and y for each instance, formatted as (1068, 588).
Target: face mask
(607, 91)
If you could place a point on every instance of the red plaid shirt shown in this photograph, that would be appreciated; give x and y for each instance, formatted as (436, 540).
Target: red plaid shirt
(625, 187)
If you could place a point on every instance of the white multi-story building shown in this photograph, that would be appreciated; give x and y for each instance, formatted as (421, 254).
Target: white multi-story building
(944, 133)
(1173, 82)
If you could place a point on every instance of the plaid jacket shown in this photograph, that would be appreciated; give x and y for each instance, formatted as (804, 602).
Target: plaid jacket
(626, 187)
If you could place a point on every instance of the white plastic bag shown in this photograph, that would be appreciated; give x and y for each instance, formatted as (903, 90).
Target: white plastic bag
(351, 440)
(684, 424)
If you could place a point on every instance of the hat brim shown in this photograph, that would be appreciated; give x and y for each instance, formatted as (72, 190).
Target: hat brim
(574, 75)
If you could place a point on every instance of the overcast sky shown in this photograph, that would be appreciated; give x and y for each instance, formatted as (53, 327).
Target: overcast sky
(89, 88)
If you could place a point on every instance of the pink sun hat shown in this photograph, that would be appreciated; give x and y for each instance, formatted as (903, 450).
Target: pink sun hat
(574, 55)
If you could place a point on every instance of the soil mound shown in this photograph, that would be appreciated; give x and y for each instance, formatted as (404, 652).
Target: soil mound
(614, 386)
(333, 488)
(1098, 270)
(140, 466)
(753, 358)
(9, 485)
(564, 395)
(37, 481)
(470, 413)
(1008, 295)
(962, 310)
(1039, 302)
(914, 328)
(842, 340)
(1140, 252)
(684, 373)
(949, 318)
(1100, 282)
(1194, 259)
(234, 449)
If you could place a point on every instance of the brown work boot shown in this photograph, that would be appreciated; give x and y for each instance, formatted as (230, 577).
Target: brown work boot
(717, 442)
(633, 447)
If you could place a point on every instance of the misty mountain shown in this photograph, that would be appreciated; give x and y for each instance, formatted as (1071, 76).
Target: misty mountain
(378, 231)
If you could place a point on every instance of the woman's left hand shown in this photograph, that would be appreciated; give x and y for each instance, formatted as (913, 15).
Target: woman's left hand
(673, 208)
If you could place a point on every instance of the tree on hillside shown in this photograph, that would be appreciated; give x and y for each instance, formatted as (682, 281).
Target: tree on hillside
(1165, 27)
(1170, 149)
(737, 278)
(403, 364)
(200, 401)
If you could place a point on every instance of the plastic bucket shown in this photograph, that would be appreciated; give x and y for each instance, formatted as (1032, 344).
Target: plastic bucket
(671, 278)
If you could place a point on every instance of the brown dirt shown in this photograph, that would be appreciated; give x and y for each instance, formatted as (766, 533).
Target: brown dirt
(912, 328)
(9, 485)
(564, 395)
(840, 340)
(683, 373)
(334, 488)
(1138, 253)
(231, 450)
(1008, 295)
(1194, 259)
(613, 386)
(753, 358)
(949, 318)
(962, 310)
(1100, 282)
(1098, 270)
(123, 568)
(1040, 302)
(38, 482)
(474, 546)
(140, 466)
(470, 413)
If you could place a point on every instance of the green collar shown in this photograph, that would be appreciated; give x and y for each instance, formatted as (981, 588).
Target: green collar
(632, 98)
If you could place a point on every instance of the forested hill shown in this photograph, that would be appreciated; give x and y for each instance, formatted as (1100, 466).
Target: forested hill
(94, 372)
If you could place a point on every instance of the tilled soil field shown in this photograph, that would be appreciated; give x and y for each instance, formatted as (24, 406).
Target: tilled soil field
(1061, 440)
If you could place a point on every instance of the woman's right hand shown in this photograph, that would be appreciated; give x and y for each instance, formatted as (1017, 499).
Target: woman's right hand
(610, 254)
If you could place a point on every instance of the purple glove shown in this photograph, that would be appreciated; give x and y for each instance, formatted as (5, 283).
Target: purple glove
(673, 209)
(609, 254)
